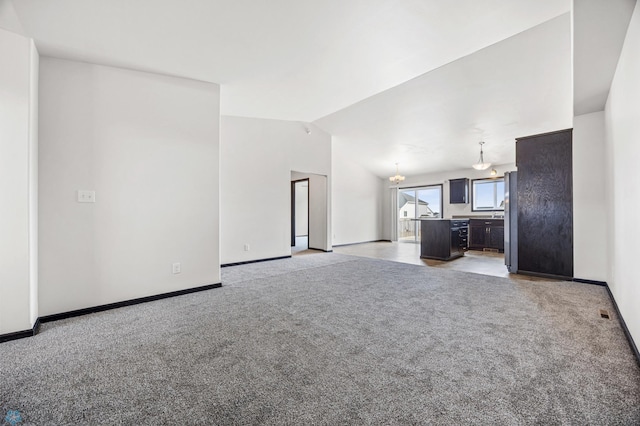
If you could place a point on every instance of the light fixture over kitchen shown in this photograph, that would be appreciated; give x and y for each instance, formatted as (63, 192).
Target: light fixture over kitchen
(397, 178)
(481, 165)
(494, 172)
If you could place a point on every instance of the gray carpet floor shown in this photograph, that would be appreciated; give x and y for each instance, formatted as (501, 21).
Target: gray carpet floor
(330, 339)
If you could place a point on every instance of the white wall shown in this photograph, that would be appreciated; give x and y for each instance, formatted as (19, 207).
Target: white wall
(34, 76)
(448, 210)
(357, 200)
(149, 146)
(302, 208)
(590, 222)
(622, 124)
(18, 189)
(257, 157)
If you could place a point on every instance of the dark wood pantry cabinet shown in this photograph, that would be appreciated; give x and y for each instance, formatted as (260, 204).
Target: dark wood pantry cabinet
(545, 204)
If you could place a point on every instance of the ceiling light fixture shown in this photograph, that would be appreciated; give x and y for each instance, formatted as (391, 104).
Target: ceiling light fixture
(481, 165)
(494, 172)
(397, 178)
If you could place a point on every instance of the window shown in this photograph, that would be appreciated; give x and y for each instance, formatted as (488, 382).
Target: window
(413, 203)
(487, 194)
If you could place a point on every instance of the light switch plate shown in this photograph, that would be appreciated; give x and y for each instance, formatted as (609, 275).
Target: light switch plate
(85, 196)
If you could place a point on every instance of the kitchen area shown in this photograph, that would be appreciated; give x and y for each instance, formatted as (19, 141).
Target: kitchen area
(471, 236)
(523, 217)
(478, 239)
(447, 239)
(506, 219)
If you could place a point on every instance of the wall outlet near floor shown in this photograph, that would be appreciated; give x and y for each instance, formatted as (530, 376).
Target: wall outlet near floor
(177, 268)
(246, 247)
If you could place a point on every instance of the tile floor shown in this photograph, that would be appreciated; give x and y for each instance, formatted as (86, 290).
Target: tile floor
(302, 244)
(480, 262)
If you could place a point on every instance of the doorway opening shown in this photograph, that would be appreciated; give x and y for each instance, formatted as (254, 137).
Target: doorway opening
(318, 213)
(299, 215)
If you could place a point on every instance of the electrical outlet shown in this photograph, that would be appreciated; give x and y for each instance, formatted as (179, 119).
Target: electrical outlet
(177, 268)
(85, 196)
(246, 247)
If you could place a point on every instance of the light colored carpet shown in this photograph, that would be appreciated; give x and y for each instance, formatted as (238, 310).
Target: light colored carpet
(332, 339)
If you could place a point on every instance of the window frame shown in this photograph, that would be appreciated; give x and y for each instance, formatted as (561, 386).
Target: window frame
(416, 225)
(419, 187)
(495, 179)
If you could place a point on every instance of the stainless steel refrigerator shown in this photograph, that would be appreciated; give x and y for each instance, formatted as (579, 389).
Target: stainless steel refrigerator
(511, 221)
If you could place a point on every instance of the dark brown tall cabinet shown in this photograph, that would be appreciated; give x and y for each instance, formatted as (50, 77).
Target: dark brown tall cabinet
(545, 198)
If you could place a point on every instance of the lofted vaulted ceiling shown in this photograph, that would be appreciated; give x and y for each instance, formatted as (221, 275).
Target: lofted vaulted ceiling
(599, 31)
(517, 87)
(414, 81)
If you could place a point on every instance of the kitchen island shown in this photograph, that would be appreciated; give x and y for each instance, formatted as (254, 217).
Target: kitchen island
(443, 239)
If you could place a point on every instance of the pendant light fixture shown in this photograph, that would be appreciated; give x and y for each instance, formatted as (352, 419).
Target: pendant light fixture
(397, 178)
(481, 165)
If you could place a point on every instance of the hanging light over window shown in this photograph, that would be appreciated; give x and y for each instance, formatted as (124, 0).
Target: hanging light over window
(494, 172)
(481, 165)
(397, 178)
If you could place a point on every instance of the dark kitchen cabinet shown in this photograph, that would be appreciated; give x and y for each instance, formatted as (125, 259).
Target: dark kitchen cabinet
(459, 191)
(477, 234)
(443, 239)
(545, 200)
(496, 237)
(486, 234)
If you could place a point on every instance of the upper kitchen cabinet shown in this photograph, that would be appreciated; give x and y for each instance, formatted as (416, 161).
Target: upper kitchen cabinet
(545, 204)
(459, 191)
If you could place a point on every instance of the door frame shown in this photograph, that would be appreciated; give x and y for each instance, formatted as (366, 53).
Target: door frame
(293, 210)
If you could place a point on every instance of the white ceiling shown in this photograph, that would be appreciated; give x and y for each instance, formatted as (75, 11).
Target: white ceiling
(599, 30)
(518, 87)
(305, 60)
